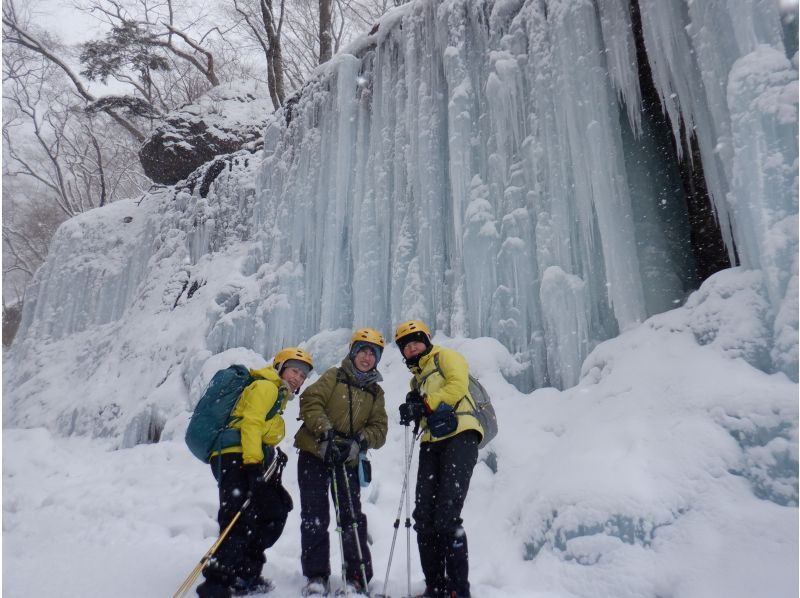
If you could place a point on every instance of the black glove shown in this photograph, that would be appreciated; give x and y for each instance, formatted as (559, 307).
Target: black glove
(413, 396)
(343, 449)
(329, 449)
(255, 475)
(411, 413)
(282, 458)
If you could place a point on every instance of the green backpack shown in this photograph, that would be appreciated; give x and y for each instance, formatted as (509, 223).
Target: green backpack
(209, 429)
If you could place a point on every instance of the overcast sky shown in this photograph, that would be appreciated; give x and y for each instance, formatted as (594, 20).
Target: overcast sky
(59, 16)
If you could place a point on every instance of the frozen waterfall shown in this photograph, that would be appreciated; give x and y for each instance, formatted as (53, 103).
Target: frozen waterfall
(439, 168)
(508, 168)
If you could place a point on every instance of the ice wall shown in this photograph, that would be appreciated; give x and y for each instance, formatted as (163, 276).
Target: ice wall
(440, 167)
(91, 273)
(482, 165)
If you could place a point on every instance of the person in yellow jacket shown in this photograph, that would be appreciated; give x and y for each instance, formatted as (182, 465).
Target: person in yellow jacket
(248, 447)
(439, 402)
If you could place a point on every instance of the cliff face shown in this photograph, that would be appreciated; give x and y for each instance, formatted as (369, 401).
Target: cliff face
(546, 173)
(499, 169)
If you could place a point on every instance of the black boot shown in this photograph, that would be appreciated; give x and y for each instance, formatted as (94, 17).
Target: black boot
(209, 589)
(253, 585)
(432, 591)
(432, 558)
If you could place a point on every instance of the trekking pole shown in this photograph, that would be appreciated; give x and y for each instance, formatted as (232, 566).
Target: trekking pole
(355, 529)
(403, 492)
(189, 581)
(339, 526)
(408, 515)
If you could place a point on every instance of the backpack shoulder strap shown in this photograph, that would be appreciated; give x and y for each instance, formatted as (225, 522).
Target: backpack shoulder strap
(276, 406)
(341, 377)
(473, 403)
(436, 370)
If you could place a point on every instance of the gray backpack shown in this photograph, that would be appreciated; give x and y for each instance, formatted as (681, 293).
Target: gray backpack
(481, 406)
(483, 410)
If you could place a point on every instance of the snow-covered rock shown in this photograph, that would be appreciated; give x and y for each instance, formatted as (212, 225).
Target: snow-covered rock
(224, 120)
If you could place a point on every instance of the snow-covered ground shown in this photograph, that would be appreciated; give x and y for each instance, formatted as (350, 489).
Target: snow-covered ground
(670, 470)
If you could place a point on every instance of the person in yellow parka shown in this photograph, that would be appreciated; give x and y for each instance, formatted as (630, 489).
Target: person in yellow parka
(248, 447)
(439, 402)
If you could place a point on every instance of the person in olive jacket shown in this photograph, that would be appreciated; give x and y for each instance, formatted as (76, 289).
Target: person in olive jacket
(239, 468)
(439, 402)
(343, 415)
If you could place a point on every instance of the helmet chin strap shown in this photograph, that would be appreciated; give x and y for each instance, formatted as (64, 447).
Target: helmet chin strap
(410, 363)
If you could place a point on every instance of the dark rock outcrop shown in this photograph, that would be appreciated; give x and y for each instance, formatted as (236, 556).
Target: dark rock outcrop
(223, 121)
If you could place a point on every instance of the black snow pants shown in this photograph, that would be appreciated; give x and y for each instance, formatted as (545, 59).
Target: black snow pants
(445, 469)
(314, 478)
(260, 525)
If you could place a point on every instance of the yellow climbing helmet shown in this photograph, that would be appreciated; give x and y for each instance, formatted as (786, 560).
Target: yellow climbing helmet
(368, 335)
(409, 328)
(292, 354)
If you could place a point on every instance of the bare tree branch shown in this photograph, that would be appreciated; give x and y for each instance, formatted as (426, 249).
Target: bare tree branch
(16, 35)
(208, 69)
